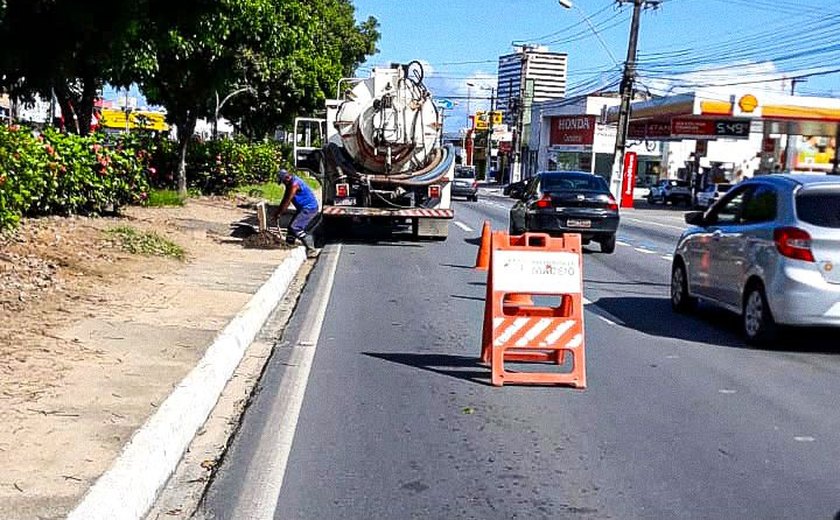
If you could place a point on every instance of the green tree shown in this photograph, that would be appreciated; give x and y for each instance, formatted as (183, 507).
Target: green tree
(69, 48)
(306, 48)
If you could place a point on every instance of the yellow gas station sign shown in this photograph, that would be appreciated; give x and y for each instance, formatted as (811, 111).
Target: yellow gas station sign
(482, 119)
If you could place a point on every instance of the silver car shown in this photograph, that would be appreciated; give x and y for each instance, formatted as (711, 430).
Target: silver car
(768, 250)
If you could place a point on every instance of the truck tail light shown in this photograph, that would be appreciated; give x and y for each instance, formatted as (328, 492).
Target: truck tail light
(794, 243)
(342, 190)
(544, 201)
(434, 191)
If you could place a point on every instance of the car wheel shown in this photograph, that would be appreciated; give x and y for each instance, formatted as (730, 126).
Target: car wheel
(607, 244)
(759, 326)
(474, 198)
(681, 301)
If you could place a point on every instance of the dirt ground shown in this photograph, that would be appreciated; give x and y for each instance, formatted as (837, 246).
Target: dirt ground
(92, 339)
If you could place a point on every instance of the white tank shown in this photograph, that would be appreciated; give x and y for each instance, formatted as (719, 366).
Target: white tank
(388, 123)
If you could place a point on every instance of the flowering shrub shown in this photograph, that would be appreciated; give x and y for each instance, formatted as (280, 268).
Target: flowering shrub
(217, 167)
(55, 173)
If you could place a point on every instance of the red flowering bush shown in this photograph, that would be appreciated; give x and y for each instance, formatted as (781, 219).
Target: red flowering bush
(56, 173)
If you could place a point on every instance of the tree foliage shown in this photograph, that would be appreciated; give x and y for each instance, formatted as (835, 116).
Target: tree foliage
(69, 48)
(183, 54)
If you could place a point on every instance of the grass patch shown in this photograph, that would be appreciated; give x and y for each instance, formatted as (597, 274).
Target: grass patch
(159, 198)
(143, 243)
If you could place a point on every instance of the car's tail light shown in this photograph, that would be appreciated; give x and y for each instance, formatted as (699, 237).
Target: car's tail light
(794, 243)
(475, 185)
(544, 201)
(434, 191)
(342, 190)
(612, 204)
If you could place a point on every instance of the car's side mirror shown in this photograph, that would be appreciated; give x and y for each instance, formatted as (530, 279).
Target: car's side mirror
(695, 218)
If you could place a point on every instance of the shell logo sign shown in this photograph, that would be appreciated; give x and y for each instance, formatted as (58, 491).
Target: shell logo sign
(748, 105)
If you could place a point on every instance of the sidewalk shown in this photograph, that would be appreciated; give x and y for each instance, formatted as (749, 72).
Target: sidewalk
(92, 363)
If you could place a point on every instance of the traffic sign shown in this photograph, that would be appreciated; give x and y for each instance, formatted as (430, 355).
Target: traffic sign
(445, 104)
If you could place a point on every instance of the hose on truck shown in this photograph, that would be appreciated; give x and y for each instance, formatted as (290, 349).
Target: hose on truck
(439, 165)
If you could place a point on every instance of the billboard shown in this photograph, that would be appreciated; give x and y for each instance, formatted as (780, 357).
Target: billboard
(482, 121)
(693, 128)
(577, 130)
(815, 153)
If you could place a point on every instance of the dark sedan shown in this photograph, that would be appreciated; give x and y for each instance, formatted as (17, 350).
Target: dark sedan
(567, 202)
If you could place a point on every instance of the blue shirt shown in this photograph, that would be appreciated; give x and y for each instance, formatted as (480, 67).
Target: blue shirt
(305, 197)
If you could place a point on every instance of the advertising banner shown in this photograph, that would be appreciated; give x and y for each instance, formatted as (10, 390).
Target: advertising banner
(631, 166)
(578, 130)
(815, 153)
(693, 128)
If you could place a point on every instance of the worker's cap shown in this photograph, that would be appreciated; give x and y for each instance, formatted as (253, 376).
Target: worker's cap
(284, 174)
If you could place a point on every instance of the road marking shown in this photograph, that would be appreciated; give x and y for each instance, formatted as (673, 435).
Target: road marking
(463, 226)
(607, 321)
(265, 479)
(726, 391)
(645, 251)
(654, 223)
(804, 438)
(620, 243)
(667, 257)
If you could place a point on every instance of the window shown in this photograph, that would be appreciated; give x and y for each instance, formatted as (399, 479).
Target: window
(760, 206)
(729, 211)
(820, 208)
(574, 182)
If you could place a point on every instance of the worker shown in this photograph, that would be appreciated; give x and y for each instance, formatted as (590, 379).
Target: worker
(306, 204)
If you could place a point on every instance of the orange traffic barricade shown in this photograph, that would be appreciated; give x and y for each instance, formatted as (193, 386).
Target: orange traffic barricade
(516, 329)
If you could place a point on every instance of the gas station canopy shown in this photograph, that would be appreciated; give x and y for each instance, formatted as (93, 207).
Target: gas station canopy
(704, 116)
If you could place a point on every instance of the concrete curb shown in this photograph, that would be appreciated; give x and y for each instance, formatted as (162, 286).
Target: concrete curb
(130, 486)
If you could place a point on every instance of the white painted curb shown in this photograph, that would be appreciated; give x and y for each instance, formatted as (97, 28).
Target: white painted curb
(130, 486)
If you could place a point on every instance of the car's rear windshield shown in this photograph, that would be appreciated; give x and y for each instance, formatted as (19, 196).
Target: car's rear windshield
(819, 208)
(464, 174)
(573, 182)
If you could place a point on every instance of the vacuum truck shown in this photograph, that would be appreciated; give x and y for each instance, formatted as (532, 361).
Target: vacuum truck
(379, 154)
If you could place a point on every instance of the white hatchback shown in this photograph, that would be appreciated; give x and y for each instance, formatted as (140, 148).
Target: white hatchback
(768, 250)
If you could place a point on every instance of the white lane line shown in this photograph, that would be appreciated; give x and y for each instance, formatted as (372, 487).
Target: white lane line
(804, 438)
(620, 243)
(726, 391)
(607, 321)
(265, 479)
(463, 226)
(645, 251)
(653, 223)
(667, 257)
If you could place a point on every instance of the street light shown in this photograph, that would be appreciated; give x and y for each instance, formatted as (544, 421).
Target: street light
(221, 104)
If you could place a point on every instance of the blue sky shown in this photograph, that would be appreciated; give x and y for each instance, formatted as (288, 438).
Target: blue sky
(735, 38)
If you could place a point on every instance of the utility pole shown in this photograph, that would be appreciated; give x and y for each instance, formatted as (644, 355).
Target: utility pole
(490, 134)
(627, 80)
(790, 147)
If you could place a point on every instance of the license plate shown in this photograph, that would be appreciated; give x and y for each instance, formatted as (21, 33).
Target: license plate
(349, 201)
(579, 223)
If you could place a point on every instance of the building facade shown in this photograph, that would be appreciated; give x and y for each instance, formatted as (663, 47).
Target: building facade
(529, 75)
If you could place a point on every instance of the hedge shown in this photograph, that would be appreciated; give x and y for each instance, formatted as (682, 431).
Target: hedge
(59, 174)
(53, 173)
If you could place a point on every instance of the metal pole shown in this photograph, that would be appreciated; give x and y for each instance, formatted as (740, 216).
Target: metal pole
(469, 90)
(626, 97)
(790, 147)
(490, 133)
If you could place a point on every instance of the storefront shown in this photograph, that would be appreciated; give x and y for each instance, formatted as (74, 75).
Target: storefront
(567, 134)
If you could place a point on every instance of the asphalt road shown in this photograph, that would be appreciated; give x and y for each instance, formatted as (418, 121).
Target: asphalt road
(399, 421)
